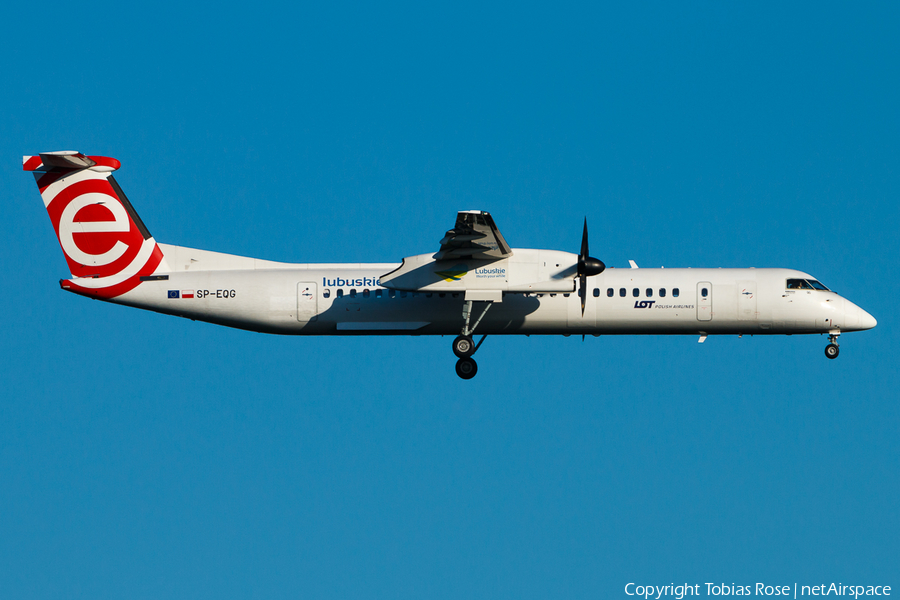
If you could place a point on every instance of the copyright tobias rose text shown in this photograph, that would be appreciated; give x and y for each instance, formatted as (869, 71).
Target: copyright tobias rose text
(760, 589)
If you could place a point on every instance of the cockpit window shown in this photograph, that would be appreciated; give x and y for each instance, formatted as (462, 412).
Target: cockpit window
(798, 284)
(806, 284)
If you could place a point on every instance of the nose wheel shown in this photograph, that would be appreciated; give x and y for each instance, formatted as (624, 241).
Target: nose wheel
(832, 350)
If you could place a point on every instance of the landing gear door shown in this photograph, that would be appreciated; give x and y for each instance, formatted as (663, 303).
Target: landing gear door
(704, 301)
(306, 302)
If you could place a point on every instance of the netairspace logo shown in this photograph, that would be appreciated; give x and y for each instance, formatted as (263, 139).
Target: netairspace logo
(760, 589)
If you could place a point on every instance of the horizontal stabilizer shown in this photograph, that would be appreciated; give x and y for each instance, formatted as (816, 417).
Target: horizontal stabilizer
(68, 161)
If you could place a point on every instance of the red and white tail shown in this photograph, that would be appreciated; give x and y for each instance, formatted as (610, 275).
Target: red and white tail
(107, 246)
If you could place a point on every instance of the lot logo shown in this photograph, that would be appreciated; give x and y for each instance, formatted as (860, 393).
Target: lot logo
(644, 303)
(454, 273)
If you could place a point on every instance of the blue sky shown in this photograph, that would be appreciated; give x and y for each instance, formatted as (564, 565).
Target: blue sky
(145, 456)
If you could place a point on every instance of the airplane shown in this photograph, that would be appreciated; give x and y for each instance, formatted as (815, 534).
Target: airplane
(474, 282)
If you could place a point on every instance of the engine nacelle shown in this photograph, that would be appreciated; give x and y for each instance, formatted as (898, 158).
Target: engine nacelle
(525, 270)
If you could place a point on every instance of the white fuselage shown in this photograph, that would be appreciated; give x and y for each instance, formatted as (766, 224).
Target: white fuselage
(348, 299)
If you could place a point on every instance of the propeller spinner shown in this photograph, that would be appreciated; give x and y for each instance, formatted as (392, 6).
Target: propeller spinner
(587, 266)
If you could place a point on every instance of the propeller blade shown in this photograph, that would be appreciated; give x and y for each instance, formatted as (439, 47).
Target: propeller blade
(583, 292)
(584, 241)
(586, 265)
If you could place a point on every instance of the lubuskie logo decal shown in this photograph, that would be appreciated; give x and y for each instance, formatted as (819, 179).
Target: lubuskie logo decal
(454, 273)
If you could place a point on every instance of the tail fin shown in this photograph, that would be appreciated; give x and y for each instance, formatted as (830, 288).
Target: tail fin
(106, 244)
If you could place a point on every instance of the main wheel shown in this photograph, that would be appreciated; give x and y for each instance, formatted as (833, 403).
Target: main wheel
(463, 346)
(466, 368)
(832, 351)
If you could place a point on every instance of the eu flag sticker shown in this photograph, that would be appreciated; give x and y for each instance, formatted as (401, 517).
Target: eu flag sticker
(174, 294)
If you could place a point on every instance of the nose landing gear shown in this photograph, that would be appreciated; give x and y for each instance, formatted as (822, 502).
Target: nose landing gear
(832, 350)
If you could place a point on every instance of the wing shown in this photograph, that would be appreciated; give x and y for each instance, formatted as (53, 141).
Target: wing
(474, 236)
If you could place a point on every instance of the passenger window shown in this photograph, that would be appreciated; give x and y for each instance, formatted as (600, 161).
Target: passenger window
(403, 294)
(392, 293)
(662, 292)
(340, 293)
(636, 292)
(622, 292)
(649, 292)
(326, 293)
(596, 292)
(704, 292)
(429, 295)
(609, 292)
(675, 292)
(366, 293)
(353, 292)
(442, 295)
(378, 293)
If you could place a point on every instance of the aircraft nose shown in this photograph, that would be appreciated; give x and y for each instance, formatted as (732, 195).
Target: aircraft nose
(856, 319)
(866, 321)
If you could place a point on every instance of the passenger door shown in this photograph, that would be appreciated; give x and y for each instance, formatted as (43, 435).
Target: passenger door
(704, 301)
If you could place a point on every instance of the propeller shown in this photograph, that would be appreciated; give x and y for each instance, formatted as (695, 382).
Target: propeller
(587, 266)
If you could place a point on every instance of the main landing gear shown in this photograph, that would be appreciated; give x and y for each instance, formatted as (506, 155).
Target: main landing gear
(832, 350)
(464, 346)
